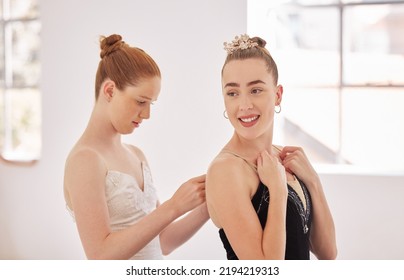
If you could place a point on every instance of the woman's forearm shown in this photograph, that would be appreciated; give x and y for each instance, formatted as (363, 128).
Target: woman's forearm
(125, 243)
(178, 232)
(274, 234)
(322, 236)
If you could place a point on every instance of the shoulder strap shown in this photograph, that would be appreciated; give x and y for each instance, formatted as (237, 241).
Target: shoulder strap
(253, 166)
(277, 148)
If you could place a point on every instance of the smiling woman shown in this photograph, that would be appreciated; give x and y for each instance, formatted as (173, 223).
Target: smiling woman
(108, 185)
(267, 201)
(253, 87)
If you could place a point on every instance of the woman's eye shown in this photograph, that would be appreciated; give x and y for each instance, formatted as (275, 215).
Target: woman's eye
(256, 91)
(140, 102)
(231, 94)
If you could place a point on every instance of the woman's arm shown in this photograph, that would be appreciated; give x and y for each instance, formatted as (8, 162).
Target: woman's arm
(322, 237)
(85, 185)
(178, 232)
(229, 192)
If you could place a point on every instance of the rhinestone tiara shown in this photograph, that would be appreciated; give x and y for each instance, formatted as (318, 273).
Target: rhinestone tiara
(241, 42)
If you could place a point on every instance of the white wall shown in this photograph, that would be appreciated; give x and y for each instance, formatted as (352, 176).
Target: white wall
(368, 213)
(184, 133)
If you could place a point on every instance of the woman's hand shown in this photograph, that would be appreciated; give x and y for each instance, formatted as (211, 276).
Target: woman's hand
(295, 161)
(190, 194)
(272, 173)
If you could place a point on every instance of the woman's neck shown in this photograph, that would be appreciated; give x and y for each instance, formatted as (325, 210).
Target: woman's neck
(100, 130)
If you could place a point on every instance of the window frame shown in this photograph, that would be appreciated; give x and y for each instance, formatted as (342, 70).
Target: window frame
(341, 85)
(6, 21)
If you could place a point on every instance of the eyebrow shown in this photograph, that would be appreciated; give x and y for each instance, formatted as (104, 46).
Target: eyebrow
(248, 84)
(255, 82)
(145, 97)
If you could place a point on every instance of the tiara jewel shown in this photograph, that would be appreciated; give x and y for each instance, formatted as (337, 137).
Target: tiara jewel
(239, 43)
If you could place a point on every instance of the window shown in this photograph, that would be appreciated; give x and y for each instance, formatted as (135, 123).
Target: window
(20, 103)
(342, 67)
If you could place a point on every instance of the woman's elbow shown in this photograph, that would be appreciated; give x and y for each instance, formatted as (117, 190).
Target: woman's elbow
(166, 251)
(328, 254)
(333, 253)
(97, 256)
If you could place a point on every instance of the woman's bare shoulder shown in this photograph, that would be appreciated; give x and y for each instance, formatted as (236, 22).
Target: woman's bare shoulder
(226, 163)
(228, 171)
(84, 159)
(137, 151)
(230, 181)
(85, 169)
(82, 153)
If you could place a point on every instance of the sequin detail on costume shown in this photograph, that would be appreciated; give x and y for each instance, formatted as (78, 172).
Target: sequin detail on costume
(292, 194)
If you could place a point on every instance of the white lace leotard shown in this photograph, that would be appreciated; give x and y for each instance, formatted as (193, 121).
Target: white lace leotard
(127, 204)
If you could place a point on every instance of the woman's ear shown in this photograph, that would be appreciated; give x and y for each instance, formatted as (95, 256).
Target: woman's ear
(108, 89)
(279, 93)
